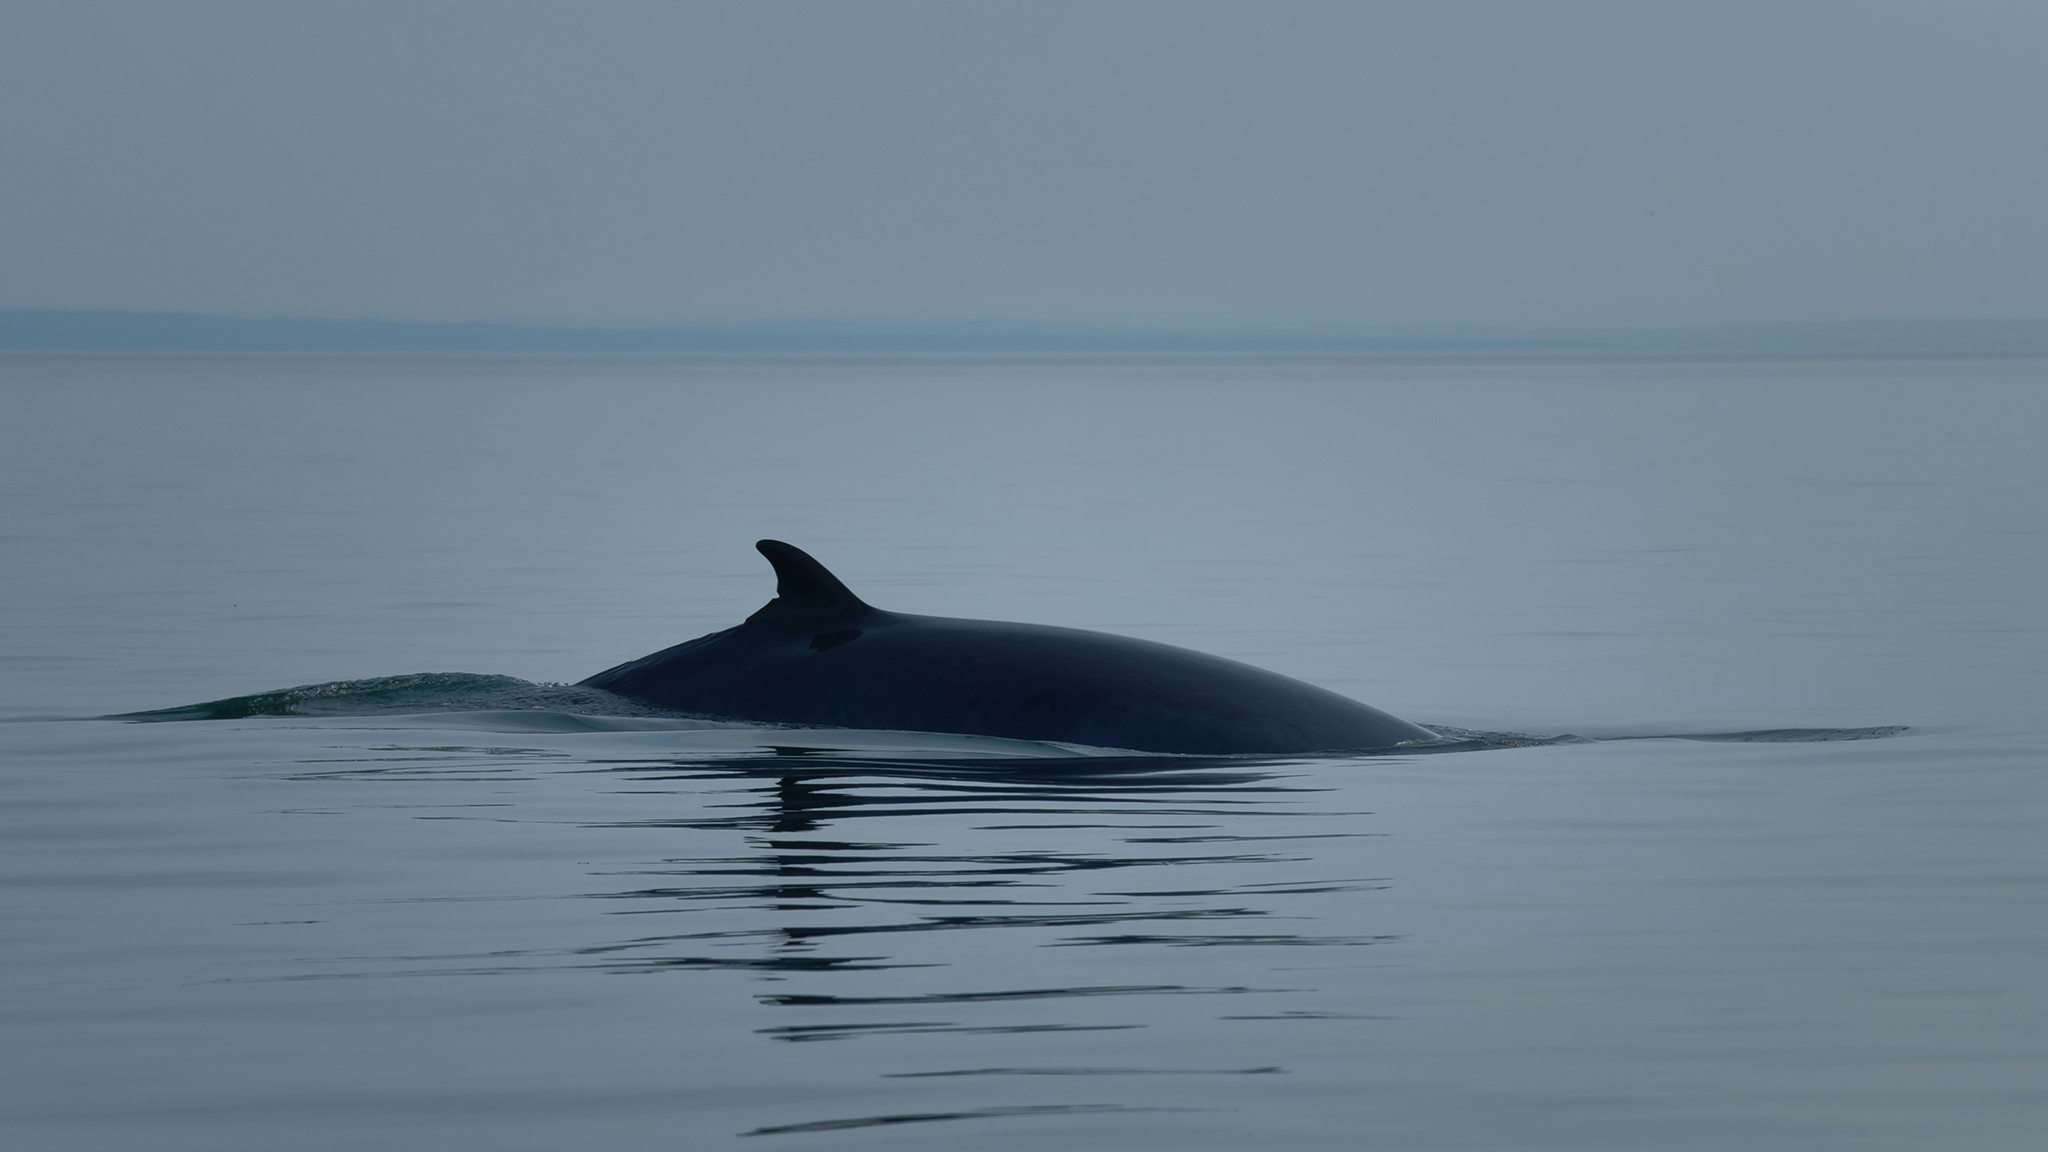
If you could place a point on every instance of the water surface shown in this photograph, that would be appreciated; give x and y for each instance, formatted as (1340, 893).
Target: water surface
(514, 924)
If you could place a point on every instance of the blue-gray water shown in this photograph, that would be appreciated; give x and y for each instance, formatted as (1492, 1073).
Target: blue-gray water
(506, 929)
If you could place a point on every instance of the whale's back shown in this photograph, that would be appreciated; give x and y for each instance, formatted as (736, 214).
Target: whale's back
(818, 656)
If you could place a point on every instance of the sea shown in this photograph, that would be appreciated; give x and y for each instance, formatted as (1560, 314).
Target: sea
(1739, 837)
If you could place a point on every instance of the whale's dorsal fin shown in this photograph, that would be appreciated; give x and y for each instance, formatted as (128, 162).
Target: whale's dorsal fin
(802, 584)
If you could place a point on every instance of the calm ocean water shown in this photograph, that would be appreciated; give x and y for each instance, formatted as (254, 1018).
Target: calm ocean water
(478, 924)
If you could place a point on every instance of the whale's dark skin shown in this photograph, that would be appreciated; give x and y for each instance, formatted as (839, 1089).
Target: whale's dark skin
(816, 655)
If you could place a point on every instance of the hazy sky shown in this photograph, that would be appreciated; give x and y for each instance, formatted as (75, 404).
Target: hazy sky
(1270, 164)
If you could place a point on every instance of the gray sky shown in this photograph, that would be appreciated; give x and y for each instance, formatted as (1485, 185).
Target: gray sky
(1277, 165)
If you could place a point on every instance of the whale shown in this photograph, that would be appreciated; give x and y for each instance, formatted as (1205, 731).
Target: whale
(818, 656)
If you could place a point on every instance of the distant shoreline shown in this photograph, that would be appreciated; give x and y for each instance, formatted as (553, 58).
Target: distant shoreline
(68, 330)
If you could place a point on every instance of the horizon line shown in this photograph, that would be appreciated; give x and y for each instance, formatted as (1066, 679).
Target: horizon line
(35, 329)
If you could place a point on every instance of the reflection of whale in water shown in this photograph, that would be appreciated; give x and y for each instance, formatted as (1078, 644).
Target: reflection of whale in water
(803, 790)
(1063, 843)
(900, 905)
(818, 655)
